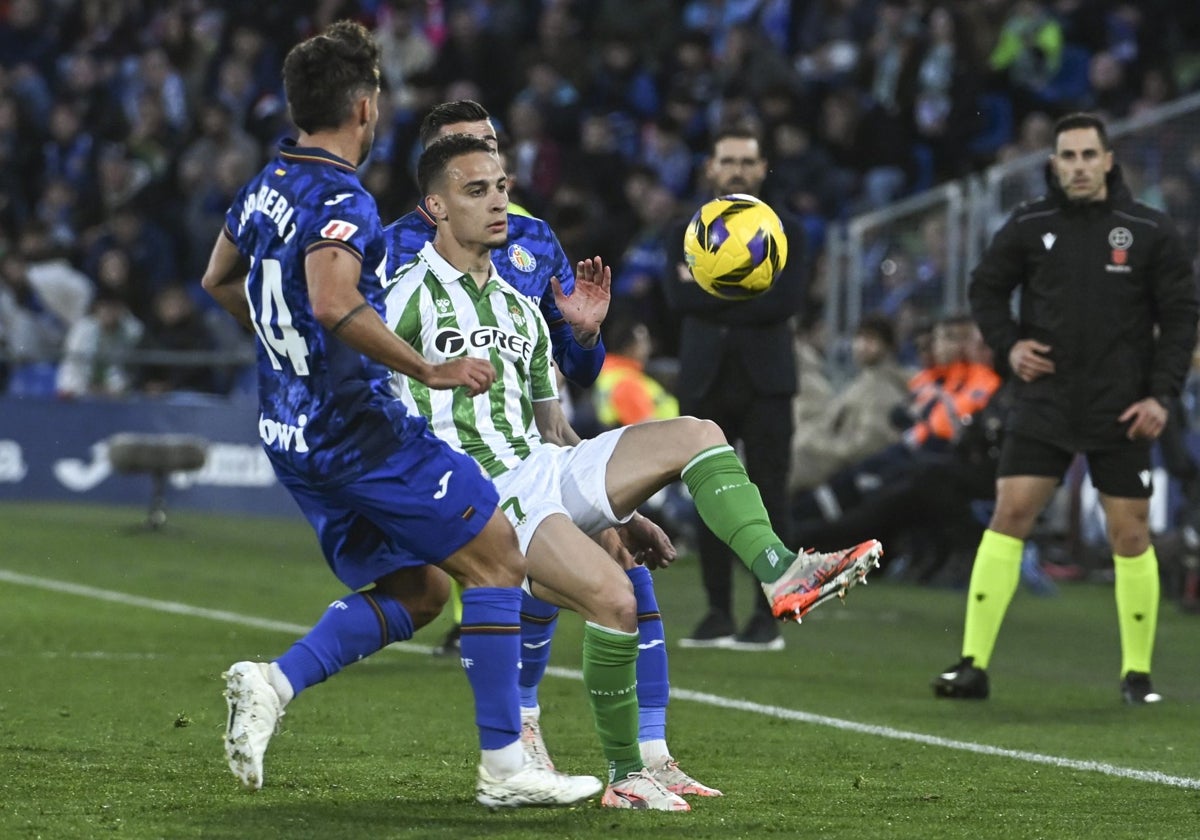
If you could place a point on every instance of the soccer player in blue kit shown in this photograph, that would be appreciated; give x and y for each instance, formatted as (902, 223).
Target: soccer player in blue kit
(301, 262)
(533, 262)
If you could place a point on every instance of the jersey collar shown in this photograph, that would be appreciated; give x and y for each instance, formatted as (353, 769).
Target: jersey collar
(447, 274)
(289, 151)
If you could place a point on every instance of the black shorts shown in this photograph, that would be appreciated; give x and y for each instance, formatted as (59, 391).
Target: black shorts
(1123, 472)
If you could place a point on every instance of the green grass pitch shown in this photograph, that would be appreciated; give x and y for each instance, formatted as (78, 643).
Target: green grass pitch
(112, 641)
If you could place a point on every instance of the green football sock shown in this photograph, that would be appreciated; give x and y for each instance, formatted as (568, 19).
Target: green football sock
(1137, 608)
(994, 579)
(732, 508)
(610, 677)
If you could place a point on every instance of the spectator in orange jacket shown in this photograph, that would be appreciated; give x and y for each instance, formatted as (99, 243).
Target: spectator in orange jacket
(624, 393)
(958, 384)
(946, 395)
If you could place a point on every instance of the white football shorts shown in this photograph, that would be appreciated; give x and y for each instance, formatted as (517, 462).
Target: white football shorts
(561, 479)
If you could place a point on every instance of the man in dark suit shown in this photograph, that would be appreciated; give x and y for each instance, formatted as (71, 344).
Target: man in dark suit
(738, 368)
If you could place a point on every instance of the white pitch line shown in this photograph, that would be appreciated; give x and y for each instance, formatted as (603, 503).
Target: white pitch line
(676, 693)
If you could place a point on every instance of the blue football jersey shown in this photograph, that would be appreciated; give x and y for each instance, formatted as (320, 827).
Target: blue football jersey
(326, 412)
(532, 256)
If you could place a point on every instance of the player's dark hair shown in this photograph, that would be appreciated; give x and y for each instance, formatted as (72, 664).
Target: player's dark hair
(1080, 120)
(449, 113)
(325, 75)
(435, 159)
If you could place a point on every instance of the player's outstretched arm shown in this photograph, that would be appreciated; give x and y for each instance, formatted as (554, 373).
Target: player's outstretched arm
(586, 307)
(332, 275)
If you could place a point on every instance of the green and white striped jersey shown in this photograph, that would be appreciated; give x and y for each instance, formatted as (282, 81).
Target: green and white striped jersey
(443, 314)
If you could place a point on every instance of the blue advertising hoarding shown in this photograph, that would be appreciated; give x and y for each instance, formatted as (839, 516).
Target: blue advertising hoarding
(57, 450)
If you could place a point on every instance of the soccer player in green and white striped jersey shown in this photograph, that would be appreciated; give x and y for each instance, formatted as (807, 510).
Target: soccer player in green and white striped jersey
(450, 315)
(556, 488)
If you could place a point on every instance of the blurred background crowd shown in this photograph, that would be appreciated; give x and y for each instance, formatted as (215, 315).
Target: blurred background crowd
(126, 126)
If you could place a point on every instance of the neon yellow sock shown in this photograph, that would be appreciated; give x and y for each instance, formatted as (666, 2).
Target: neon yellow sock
(732, 508)
(610, 677)
(1137, 608)
(456, 600)
(994, 579)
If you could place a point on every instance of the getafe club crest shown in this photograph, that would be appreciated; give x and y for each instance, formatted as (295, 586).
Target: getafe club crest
(521, 259)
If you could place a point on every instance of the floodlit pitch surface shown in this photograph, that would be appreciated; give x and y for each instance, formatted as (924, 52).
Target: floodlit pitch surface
(112, 641)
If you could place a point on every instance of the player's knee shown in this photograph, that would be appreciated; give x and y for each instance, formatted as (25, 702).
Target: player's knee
(428, 606)
(706, 432)
(614, 605)
(695, 435)
(423, 591)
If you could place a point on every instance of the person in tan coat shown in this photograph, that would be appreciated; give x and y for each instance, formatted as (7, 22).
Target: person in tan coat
(856, 423)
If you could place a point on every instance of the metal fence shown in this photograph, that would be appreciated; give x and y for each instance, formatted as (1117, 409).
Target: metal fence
(912, 260)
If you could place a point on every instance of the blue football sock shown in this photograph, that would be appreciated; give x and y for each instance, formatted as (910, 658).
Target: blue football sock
(653, 685)
(538, 620)
(491, 655)
(352, 628)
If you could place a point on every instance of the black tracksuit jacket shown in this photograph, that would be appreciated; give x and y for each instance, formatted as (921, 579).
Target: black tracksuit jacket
(1109, 287)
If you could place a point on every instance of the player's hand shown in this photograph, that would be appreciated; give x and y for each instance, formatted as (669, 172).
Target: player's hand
(610, 541)
(1028, 361)
(1147, 418)
(586, 307)
(476, 375)
(648, 543)
(685, 273)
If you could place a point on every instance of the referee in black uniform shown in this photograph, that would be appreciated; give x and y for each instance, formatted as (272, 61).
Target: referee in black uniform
(1099, 349)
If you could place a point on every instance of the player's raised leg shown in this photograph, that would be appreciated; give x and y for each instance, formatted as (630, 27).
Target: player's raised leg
(649, 455)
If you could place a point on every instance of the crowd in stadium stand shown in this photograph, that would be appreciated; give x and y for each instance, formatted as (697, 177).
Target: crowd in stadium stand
(126, 126)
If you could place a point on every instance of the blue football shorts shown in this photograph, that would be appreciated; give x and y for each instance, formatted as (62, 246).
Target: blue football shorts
(421, 505)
